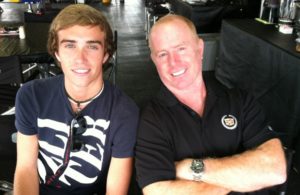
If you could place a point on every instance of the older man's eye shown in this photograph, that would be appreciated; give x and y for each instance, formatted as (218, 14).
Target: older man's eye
(181, 48)
(161, 55)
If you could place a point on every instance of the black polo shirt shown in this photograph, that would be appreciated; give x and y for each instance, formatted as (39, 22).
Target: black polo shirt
(170, 131)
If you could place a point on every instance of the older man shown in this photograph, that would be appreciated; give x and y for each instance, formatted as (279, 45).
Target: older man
(197, 137)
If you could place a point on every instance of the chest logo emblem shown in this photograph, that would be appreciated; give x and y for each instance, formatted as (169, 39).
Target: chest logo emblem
(229, 122)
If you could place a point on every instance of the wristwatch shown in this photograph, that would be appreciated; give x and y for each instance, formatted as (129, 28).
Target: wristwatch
(197, 168)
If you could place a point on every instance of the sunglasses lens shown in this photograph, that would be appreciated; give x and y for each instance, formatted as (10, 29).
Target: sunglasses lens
(77, 144)
(78, 126)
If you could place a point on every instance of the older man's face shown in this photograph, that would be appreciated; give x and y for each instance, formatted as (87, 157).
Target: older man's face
(177, 54)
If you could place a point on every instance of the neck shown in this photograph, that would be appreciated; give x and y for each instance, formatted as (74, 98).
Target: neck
(194, 97)
(80, 104)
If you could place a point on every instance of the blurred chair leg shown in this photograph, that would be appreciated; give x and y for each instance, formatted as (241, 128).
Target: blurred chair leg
(115, 57)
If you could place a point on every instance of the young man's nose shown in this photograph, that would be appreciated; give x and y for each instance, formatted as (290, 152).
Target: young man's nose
(80, 54)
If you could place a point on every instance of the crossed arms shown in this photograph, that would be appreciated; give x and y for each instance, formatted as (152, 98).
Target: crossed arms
(251, 170)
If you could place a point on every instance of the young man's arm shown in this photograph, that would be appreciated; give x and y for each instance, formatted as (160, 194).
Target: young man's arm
(119, 176)
(26, 179)
(252, 170)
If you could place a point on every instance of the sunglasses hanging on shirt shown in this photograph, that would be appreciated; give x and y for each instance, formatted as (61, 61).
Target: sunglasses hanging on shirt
(78, 127)
(78, 124)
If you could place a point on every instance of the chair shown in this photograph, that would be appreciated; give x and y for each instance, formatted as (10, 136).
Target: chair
(10, 80)
(211, 50)
(39, 66)
(110, 67)
(10, 70)
(7, 153)
(154, 9)
(269, 10)
(46, 17)
(15, 70)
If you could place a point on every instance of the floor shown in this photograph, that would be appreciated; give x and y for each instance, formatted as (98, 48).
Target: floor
(136, 74)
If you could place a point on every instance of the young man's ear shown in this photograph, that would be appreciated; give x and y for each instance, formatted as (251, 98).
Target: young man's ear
(105, 58)
(57, 56)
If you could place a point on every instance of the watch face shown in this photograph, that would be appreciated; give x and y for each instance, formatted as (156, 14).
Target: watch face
(197, 165)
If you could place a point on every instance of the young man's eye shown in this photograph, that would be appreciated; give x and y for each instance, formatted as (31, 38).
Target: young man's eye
(69, 45)
(96, 47)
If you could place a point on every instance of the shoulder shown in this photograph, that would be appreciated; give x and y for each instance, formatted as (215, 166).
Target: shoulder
(40, 87)
(160, 109)
(43, 84)
(119, 99)
(216, 88)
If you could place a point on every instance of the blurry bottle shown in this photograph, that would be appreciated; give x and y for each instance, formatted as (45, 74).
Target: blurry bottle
(287, 11)
(269, 10)
(297, 18)
(22, 32)
(40, 7)
(106, 2)
(29, 7)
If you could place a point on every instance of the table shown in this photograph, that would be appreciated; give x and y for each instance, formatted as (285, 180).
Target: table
(35, 41)
(36, 30)
(259, 59)
(12, 17)
(207, 17)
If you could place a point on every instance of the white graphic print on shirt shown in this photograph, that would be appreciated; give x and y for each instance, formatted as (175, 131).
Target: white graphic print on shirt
(92, 154)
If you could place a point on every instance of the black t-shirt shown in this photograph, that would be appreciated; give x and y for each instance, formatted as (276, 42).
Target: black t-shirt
(170, 131)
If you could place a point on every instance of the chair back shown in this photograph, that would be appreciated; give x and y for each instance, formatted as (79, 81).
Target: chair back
(10, 70)
(45, 17)
(8, 151)
(110, 67)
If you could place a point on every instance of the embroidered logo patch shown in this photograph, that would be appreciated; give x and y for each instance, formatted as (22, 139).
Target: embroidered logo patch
(229, 122)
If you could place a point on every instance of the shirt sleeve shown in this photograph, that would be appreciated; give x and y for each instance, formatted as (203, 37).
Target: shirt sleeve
(154, 156)
(125, 124)
(257, 129)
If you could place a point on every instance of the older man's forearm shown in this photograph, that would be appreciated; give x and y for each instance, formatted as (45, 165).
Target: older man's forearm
(252, 170)
(178, 187)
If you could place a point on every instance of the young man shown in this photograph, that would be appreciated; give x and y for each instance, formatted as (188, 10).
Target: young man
(76, 133)
(197, 137)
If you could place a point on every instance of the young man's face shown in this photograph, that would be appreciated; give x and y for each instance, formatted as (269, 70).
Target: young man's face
(177, 54)
(81, 55)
